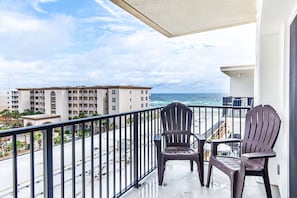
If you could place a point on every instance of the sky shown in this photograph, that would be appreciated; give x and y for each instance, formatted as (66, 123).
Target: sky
(46, 43)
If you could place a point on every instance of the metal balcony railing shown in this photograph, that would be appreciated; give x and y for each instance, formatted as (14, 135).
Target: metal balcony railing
(103, 156)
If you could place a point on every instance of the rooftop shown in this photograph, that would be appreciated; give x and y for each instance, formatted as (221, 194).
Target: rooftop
(88, 87)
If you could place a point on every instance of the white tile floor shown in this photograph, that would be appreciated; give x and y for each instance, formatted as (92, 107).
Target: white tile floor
(180, 182)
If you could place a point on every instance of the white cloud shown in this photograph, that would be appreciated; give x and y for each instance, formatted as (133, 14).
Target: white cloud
(113, 48)
(107, 8)
(36, 4)
(25, 37)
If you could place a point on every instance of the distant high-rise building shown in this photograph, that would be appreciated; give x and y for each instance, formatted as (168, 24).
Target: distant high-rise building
(70, 102)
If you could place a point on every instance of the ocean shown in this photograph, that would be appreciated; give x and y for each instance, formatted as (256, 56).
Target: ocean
(162, 99)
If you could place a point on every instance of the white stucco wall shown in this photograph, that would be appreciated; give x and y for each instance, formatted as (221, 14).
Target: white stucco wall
(24, 100)
(272, 78)
(242, 85)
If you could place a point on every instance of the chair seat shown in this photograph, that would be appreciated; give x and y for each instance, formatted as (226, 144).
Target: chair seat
(178, 152)
(233, 164)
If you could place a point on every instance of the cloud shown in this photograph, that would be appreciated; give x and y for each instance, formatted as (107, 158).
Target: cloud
(36, 4)
(107, 8)
(25, 37)
(112, 48)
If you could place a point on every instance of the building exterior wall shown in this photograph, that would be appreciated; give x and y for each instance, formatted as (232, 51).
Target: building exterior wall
(242, 85)
(69, 102)
(102, 101)
(272, 77)
(24, 100)
(4, 101)
(9, 100)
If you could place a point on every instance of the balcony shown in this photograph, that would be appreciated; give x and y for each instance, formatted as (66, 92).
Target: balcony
(112, 156)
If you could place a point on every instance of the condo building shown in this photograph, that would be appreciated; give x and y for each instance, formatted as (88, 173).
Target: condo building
(70, 102)
(9, 100)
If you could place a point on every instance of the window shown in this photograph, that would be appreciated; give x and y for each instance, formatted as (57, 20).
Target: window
(130, 99)
(146, 98)
(146, 104)
(113, 91)
(141, 98)
(113, 99)
(70, 105)
(130, 92)
(146, 91)
(113, 107)
(130, 107)
(141, 105)
(141, 91)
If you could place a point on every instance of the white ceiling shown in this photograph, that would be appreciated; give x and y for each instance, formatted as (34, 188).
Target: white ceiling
(180, 17)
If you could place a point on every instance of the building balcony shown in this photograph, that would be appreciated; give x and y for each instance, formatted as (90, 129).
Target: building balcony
(113, 156)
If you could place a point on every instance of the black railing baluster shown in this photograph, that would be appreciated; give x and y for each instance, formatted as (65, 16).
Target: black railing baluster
(131, 143)
(62, 163)
(212, 129)
(100, 158)
(92, 158)
(83, 161)
(199, 119)
(125, 152)
(136, 142)
(107, 157)
(144, 141)
(15, 166)
(73, 161)
(48, 162)
(151, 142)
(114, 156)
(120, 152)
(32, 172)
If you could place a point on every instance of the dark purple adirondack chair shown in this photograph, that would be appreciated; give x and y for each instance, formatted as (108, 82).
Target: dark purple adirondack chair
(261, 130)
(177, 121)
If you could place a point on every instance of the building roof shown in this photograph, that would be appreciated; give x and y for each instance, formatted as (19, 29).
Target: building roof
(86, 87)
(237, 69)
(176, 17)
(40, 117)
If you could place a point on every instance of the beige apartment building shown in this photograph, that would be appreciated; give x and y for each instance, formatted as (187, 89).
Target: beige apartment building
(69, 102)
(9, 99)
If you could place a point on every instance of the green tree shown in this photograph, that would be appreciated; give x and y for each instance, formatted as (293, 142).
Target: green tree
(82, 115)
(38, 138)
(6, 114)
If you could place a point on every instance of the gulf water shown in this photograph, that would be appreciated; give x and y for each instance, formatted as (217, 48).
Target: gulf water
(162, 99)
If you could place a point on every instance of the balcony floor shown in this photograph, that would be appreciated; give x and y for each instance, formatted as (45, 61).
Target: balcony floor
(180, 182)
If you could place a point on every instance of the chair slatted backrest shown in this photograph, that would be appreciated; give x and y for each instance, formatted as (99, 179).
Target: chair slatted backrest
(261, 129)
(177, 121)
